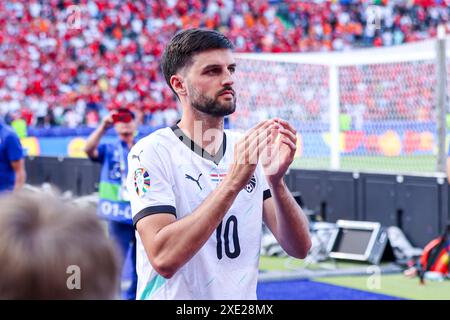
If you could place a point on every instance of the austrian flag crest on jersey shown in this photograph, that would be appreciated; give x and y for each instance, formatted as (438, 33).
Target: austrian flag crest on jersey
(141, 181)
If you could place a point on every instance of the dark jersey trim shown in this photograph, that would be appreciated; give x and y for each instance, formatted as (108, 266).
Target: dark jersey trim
(267, 194)
(153, 210)
(199, 150)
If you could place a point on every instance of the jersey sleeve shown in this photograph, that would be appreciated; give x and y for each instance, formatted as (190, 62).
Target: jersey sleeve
(13, 148)
(148, 184)
(101, 149)
(263, 181)
(266, 189)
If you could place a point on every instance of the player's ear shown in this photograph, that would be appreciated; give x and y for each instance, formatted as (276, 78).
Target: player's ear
(178, 84)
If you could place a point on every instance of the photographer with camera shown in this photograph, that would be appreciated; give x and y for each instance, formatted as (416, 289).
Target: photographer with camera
(114, 203)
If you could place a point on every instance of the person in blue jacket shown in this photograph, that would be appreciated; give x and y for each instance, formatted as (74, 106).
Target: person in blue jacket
(114, 203)
(12, 164)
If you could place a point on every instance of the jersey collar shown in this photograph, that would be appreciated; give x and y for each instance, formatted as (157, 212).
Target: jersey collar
(199, 150)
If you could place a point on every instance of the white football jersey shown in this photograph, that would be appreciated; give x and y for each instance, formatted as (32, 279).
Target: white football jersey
(169, 173)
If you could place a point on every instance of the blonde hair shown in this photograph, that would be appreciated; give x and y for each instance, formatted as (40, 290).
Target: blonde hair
(41, 237)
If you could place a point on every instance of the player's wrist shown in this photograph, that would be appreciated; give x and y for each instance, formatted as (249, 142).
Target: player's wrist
(232, 185)
(103, 128)
(276, 183)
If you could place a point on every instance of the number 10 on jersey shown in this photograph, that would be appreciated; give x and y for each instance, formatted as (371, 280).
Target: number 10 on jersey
(223, 241)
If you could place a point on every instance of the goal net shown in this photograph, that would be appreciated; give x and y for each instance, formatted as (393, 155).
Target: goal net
(364, 110)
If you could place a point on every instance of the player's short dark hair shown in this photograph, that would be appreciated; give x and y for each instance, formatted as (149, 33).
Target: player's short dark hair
(185, 44)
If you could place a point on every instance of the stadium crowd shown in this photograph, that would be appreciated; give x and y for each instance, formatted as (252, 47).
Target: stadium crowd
(61, 66)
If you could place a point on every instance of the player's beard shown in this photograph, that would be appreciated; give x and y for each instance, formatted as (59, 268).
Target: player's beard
(211, 106)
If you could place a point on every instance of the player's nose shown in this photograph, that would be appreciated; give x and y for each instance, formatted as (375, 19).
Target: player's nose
(228, 79)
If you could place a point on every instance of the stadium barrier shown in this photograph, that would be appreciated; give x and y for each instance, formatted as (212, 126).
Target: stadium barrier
(417, 204)
(67, 142)
(79, 176)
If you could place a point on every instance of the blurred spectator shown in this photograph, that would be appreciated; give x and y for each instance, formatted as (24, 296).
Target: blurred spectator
(53, 250)
(12, 164)
(111, 57)
(114, 205)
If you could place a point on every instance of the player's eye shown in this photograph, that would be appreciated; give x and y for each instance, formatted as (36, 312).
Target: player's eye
(213, 71)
